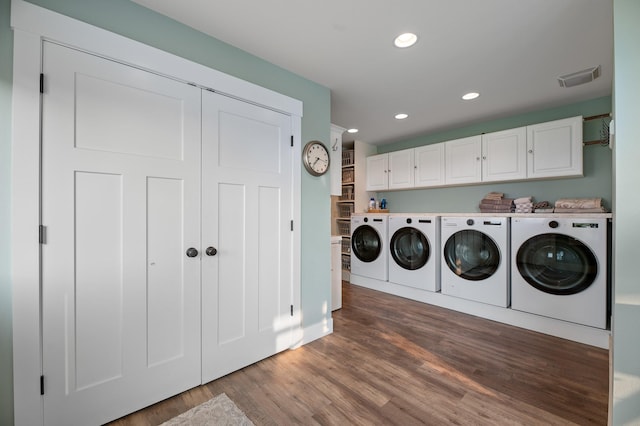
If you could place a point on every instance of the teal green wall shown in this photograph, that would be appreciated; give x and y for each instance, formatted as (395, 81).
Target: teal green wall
(595, 183)
(6, 356)
(135, 22)
(626, 307)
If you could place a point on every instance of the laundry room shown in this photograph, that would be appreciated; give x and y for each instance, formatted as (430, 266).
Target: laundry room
(334, 213)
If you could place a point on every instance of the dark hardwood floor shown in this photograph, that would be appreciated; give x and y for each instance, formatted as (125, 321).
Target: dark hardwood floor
(392, 361)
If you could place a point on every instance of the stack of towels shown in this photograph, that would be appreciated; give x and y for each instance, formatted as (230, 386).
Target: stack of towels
(579, 205)
(494, 202)
(523, 205)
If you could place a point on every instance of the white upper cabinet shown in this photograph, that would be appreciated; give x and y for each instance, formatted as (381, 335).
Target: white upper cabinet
(463, 160)
(429, 165)
(393, 170)
(377, 172)
(504, 155)
(401, 169)
(555, 148)
(546, 150)
(335, 165)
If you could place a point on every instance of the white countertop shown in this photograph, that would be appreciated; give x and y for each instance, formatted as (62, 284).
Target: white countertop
(499, 214)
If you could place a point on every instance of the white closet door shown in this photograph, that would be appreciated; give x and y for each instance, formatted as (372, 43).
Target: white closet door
(121, 205)
(246, 214)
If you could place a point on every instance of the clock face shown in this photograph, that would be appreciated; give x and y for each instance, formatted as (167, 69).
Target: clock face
(316, 158)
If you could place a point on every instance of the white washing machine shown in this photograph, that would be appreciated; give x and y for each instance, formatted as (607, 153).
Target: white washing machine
(559, 268)
(369, 236)
(475, 259)
(414, 245)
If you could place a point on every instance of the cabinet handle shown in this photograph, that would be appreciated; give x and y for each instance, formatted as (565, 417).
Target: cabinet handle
(484, 157)
(530, 151)
(477, 158)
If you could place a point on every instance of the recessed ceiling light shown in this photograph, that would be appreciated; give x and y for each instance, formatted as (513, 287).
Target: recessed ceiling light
(470, 95)
(352, 131)
(401, 116)
(405, 40)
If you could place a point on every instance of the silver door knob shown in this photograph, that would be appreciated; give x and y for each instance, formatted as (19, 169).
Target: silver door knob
(191, 252)
(211, 251)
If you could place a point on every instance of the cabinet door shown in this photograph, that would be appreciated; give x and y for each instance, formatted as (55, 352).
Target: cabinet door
(335, 166)
(555, 148)
(429, 165)
(462, 159)
(504, 155)
(401, 169)
(377, 172)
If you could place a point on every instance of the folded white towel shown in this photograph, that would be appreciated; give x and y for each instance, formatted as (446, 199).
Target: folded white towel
(579, 203)
(522, 200)
(524, 205)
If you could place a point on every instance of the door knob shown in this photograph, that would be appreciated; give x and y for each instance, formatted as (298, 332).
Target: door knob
(211, 251)
(191, 252)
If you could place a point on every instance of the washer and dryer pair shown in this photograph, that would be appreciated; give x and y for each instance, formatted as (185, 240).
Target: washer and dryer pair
(401, 249)
(558, 266)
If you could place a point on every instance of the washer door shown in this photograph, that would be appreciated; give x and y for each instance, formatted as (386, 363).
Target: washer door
(410, 248)
(557, 264)
(472, 255)
(365, 243)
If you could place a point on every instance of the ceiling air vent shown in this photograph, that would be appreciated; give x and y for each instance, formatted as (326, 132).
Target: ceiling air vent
(580, 77)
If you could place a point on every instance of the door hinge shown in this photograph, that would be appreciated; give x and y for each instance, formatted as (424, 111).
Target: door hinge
(292, 225)
(41, 83)
(291, 140)
(291, 310)
(42, 234)
(41, 385)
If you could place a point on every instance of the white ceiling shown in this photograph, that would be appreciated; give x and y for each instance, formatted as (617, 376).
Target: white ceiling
(510, 51)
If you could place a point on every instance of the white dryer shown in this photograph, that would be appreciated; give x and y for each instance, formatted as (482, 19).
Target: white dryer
(414, 246)
(475, 259)
(559, 268)
(369, 236)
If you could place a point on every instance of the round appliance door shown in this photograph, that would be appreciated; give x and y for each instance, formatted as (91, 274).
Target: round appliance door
(557, 264)
(472, 255)
(410, 248)
(365, 243)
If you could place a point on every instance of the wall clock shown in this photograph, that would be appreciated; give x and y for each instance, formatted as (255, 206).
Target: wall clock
(315, 158)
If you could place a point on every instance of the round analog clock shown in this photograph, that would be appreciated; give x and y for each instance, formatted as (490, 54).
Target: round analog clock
(316, 158)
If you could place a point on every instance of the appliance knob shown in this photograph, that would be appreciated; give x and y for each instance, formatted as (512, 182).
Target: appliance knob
(366, 219)
(409, 220)
(553, 224)
(470, 222)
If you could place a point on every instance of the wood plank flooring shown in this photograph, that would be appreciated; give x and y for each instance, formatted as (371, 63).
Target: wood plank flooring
(393, 361)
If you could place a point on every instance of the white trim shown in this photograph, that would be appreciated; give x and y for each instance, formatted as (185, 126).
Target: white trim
(82, 36)
(25, 247)
(566, 330)
(33, 24)
(315, 332)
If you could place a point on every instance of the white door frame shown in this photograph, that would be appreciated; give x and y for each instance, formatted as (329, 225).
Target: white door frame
(33, 24)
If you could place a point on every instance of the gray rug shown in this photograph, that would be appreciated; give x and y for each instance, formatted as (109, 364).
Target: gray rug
(218, 411)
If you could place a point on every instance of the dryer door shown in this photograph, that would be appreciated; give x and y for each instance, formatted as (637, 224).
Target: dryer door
(557, 264)
(472, 255)
(365, 243)
(410, 248)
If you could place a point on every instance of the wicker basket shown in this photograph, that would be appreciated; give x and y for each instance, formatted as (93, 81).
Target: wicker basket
(346, 262)
(347, 158)
(344, 228)
(346, 245)
(347, 175)
(345, 210)
(347, 193)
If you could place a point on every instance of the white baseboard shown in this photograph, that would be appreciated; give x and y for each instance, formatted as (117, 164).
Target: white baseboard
(313, 332)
